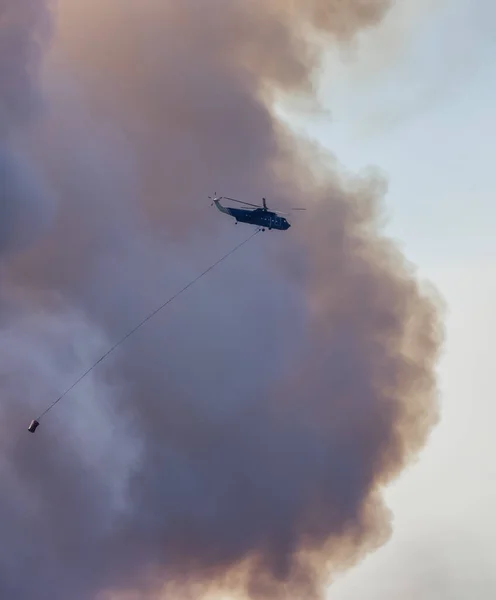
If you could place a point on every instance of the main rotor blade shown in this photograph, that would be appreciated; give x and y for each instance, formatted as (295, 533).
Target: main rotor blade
(285, 213)
(240, 202)
(260, 206)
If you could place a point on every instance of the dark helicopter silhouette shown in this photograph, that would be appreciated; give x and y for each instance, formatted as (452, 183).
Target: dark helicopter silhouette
(260, 216)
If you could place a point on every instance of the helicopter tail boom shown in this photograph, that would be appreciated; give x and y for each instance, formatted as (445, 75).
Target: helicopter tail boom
(223, 209)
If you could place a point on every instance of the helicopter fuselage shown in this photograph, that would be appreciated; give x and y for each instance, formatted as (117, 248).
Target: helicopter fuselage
(258, 216)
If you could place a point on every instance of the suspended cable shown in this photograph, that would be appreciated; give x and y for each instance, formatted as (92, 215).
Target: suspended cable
(34, 424)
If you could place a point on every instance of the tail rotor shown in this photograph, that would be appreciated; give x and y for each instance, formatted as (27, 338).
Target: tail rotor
(214, 198)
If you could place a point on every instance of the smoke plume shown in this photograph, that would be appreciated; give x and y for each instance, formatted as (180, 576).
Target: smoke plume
(26, 205)
(240, 441)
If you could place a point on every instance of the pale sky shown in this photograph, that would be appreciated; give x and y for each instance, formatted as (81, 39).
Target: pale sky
(421, 106)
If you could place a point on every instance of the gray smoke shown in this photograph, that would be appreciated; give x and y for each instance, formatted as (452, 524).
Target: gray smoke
(26, 203)
(240, 440)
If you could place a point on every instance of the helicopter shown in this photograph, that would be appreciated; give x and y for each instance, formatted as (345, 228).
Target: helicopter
(259, 215)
